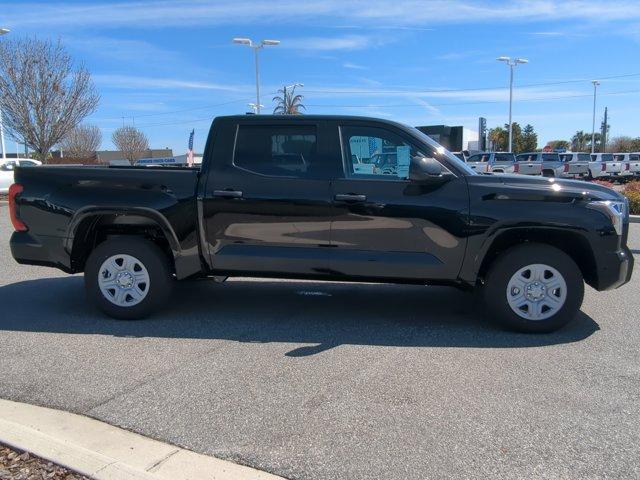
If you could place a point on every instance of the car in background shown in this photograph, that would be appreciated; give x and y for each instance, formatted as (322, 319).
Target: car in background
(630, 164)
(551, 165)
(460, 155)
(495, 162)
(6, 170)
(576, 164)
(604, 166)
(503, 162)
(479, 162)
(528, 164)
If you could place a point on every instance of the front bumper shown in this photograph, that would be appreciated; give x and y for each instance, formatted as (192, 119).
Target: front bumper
(614, 269)
(29, 249)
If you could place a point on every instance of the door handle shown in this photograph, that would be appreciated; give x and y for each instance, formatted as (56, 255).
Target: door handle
(227, 193)
(350, 197)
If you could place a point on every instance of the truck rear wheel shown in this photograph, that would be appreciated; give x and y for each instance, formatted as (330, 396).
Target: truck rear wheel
(128, 278)
(533, 288)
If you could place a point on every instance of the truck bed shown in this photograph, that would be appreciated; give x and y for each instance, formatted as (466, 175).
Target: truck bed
(56, 200)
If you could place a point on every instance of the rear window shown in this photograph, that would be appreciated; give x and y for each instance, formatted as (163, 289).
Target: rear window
(288, 151)
(584, 157)
(526, 157)
(619, 158)
(505, 157)
(634, 157)
(550, 157)
(607, 157)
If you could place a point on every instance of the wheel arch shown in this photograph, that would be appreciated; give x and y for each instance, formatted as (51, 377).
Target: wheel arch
(91, 226)
(575, 245)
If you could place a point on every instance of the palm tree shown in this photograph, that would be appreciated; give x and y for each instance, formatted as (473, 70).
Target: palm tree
(288, 103)
(580, 141)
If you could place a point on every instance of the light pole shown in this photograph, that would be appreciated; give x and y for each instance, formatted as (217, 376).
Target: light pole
(593, 122)
(256, 47)
(512, 63)
(3, 31)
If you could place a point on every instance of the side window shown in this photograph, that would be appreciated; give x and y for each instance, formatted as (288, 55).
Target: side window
(274, 150)
(372, 152)
(473, 158)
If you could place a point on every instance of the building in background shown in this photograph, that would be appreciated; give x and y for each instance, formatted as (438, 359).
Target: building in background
(111, 157)
(454, 139)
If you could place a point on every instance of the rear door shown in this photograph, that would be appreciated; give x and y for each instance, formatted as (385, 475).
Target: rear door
(387, 226)
(267, 203)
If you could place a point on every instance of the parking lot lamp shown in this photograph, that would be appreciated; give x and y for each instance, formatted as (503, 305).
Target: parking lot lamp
(256, 46)
(3, 31)
(593, 123)
(512, 63)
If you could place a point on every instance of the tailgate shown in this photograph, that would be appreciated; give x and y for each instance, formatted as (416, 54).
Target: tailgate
(577, 168)
(529, 168)
(613, 167)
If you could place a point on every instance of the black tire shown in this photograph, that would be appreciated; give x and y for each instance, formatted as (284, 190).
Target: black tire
(494, 290)
(154, 260)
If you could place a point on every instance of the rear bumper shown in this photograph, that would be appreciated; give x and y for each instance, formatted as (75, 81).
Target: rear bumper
(614, 269)
(29, 249)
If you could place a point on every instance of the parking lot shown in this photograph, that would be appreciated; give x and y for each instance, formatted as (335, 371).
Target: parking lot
(330, 380)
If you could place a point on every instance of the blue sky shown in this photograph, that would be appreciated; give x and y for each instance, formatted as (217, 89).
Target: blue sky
(170, 66)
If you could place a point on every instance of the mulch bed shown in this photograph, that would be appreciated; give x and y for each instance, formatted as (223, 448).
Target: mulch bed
(15, 465)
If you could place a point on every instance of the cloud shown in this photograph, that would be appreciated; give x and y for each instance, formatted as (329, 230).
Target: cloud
(129, 81)
(348, 42)
(548, 34)
(359, 13)
(354, 66)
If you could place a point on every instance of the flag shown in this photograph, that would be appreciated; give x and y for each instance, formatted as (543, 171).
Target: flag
(190, 149)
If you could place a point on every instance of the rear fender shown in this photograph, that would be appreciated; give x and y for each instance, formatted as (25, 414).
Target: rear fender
(183, 264)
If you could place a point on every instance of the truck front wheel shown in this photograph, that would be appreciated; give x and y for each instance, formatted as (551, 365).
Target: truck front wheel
(128, 278)
(533, 288)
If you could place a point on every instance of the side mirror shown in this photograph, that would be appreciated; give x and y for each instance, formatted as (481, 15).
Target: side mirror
(425, 168)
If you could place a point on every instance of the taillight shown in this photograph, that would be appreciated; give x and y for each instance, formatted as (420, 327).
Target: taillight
(566, 168)
(486, 169)
(604, 167)
(516, 168)
(18, 225)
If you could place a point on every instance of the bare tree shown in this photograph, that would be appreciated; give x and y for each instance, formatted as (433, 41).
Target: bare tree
(82, 141)
(42, 95)
(131, 141)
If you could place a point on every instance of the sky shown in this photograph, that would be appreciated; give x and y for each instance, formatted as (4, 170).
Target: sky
(170, 66)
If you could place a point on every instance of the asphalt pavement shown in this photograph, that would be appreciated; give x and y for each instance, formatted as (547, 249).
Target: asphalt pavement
(314, 380)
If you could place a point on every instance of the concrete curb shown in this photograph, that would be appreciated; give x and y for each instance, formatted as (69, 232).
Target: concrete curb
(634, 218)
(104, 452)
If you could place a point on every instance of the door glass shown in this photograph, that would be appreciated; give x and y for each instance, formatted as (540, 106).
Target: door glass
(278, 150)
(372, 152)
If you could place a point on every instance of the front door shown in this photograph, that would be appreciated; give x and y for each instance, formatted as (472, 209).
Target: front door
(267, 207)
(386, 225)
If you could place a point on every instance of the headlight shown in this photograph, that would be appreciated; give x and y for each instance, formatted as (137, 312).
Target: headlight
(615, 210)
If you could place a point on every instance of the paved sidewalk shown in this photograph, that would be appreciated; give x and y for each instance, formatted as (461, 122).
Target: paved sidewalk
(101, 451)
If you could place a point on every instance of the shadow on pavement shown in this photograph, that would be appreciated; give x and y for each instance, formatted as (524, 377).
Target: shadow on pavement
(323, 315)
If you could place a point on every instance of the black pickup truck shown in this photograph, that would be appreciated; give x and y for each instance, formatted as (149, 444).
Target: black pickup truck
(326, 198)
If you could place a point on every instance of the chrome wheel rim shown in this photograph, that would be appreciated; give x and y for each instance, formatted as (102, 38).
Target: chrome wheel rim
(123, 280)
(536, 292)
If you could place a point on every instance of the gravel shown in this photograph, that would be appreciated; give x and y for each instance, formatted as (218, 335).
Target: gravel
(15, 465)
